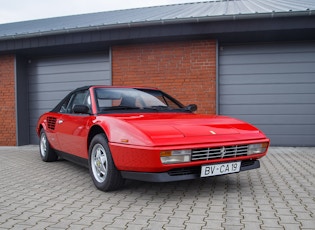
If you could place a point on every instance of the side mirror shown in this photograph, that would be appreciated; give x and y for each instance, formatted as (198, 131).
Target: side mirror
(83, 109)
(191, 107)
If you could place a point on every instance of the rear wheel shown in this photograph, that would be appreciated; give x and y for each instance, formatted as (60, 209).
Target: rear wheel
(46, 152)
(104, 173)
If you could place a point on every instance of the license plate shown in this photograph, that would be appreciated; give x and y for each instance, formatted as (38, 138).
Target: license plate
(220, 169)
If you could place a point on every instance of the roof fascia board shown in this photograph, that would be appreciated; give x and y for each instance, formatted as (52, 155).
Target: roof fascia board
(160, 32)
(161, 22)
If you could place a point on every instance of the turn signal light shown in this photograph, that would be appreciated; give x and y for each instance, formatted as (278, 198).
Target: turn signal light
(257, 148)
(175, 156)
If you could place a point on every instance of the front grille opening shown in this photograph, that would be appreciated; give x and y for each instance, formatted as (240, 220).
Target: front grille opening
(219, 152)
(185, 171)
(247, 163)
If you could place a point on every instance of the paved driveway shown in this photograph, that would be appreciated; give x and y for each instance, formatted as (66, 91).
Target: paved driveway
(61, 195)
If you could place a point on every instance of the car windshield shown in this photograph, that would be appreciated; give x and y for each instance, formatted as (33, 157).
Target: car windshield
(113, 99)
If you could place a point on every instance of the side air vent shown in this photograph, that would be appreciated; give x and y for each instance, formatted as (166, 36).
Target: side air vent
(51, 122)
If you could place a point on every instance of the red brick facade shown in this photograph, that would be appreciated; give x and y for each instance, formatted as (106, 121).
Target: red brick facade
(7, 99)
(185, 70)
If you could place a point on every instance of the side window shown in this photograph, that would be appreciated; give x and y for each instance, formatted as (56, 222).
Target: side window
(78, 98)
(170, 103)
(63, 108)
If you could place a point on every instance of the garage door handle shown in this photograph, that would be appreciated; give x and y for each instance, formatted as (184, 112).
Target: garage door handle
(60, 121)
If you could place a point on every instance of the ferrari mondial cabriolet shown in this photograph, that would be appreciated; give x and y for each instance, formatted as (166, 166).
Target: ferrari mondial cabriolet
(144, 134)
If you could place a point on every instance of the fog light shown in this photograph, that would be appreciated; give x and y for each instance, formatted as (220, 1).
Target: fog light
(257, 148)
(175, 156)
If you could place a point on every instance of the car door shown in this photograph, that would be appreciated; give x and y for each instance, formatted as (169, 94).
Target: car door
(72, 128)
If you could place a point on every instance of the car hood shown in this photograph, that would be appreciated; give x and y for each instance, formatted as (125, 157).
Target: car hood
(192, 127)
(189, 125)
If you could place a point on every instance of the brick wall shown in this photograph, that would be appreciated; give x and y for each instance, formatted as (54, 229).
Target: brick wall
(185, 70)
(7, 101)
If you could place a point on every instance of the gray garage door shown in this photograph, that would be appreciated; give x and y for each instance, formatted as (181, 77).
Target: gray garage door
(271, 86)
(51, 78)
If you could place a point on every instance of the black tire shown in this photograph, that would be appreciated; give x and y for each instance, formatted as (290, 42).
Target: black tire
(105, 175)
(46, 152)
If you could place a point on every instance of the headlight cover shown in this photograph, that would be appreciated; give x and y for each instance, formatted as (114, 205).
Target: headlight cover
(175, 156)
(257, 148)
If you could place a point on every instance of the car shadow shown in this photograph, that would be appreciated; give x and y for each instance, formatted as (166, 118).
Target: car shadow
(232, 183)
(211, 186)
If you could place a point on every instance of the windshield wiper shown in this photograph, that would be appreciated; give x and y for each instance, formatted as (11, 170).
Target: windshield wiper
(189, 108)
(120, 107)
(158, 107)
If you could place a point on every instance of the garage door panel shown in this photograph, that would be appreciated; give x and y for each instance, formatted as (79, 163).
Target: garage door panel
(275, 99)
(52, 78)
(271, 86)
(62, 86)
(272, 48)
(295, 109)
(281, 119)
(261, 58)
(43, 105)
(71, 69)
(70, 59)
(291, 140)
(290, 78)
(274, 68)
(49, 95)
(68, 77)
(50, 87)
(289, 129)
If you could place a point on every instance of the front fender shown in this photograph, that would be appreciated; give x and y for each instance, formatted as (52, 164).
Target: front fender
(121, 132)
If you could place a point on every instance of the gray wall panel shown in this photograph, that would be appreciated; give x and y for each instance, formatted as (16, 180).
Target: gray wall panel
(289, 129)
(291, 78)
(269, 109)
(259, 58)
(305, 88)
(271, 68)
(52, 78)
(66, 77)
(291, 140)
(271, 99)
(271, 86)
(74, 68)
(273, 48)
(279, 119)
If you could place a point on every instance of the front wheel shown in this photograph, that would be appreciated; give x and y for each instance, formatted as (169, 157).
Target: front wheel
(104, 173)
(46, 152)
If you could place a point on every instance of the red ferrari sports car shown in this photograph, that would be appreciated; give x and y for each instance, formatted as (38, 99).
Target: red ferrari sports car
(144, 134)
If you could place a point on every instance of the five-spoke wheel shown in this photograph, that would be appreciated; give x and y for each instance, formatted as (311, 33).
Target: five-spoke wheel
(104, 173)
(99, 163)
(46, 152)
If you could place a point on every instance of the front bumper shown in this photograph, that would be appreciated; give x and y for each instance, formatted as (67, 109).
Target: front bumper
(180, 173)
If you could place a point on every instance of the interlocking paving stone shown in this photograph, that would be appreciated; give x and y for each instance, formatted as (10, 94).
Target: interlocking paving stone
(61, 195)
